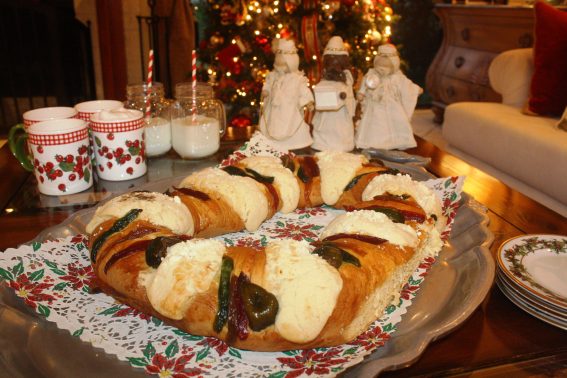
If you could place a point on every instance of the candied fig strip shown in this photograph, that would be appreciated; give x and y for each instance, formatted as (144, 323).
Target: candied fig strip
(237, 318)
(157, 248)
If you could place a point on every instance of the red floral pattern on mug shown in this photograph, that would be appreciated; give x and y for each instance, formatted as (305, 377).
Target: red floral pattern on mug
(132, 150)
(73, 166)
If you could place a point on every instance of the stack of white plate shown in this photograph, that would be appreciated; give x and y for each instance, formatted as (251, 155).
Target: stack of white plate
(532, 273)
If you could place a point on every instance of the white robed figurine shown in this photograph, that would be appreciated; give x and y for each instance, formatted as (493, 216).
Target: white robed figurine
(285, 95)
(388, 99)
(335, 105)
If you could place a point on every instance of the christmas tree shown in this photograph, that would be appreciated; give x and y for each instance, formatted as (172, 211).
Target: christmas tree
(235, 48)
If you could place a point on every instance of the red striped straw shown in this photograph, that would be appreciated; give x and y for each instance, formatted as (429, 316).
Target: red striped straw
(194, 82)
(149, 83)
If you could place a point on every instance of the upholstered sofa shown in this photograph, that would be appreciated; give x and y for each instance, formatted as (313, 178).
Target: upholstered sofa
(530, 149)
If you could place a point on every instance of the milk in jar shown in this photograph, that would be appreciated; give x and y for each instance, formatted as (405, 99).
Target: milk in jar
(198, 121)
(150, 100)
(157, 134)
(195, 136)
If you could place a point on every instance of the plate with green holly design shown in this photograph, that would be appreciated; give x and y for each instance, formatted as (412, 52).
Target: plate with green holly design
(537, 264)
(530, 307)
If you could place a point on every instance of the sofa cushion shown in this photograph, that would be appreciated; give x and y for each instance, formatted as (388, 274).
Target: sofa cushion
(510, 74)
(531, 149)
(548, 90)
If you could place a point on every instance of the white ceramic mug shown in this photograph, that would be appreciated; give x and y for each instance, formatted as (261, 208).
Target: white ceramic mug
(46, 114)
(119, 147)
(60, 156)
(17, 136)
(86, 109)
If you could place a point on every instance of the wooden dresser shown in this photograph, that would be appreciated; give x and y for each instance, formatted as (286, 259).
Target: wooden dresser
(473, 36)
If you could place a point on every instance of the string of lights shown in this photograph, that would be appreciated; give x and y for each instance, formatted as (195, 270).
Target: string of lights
(235, 52)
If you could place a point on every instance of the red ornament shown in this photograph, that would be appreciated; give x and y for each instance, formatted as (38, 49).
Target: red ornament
(229, 57)
(348, 3)
(240, 120)
(226, 58)
(261, 40)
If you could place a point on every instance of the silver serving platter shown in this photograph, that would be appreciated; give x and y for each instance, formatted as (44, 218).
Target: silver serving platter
(455, 286)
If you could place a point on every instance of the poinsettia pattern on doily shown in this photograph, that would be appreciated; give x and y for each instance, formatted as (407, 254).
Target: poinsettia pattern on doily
(53, 278)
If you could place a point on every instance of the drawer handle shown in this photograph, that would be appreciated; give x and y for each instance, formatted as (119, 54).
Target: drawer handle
(526, 40)
(459, 61)
(450, 91)
(466, 34)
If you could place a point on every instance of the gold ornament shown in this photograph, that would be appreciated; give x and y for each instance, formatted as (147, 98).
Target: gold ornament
(216, 40)
(375, 38)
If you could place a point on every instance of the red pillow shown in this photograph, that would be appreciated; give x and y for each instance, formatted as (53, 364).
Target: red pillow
(548, 93)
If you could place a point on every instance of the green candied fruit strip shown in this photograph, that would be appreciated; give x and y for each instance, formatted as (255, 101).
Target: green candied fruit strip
(119, 225)
(234, 171)
(350, 259)
(354, 181)
(260, 305)
(221, 317)
(247, 172)
(258, 177)
(335, 255)
(394, 215)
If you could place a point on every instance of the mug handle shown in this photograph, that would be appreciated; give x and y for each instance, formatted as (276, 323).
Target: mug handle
(18, 143)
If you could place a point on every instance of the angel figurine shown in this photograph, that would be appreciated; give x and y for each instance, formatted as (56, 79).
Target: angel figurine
(285, 97)
(388, 99)
(335, 104)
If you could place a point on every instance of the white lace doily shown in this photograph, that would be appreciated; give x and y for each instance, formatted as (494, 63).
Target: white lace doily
(53, 277)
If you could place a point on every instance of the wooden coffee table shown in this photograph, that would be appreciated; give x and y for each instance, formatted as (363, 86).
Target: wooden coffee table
(498, 338)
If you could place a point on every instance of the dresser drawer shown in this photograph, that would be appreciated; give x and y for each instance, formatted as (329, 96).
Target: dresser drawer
(455, 90)
(494, 33)
(473, 34)
(468, 65)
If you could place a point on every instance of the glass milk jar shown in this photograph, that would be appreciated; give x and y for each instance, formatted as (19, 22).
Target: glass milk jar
(157, 132)
(198, 121)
